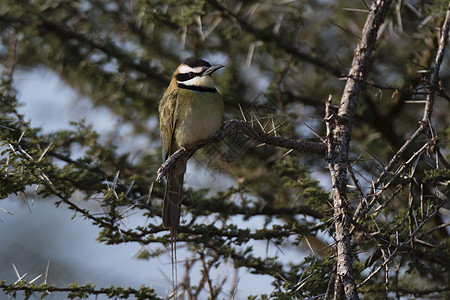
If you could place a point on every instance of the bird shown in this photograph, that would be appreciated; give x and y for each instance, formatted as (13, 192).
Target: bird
(190, 110)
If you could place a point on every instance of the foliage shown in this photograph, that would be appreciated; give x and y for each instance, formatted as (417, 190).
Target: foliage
(74, 291)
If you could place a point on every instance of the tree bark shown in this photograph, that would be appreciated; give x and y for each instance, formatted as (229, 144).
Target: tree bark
(338, 140)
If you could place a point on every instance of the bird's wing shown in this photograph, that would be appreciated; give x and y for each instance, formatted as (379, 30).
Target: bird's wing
(168, 109)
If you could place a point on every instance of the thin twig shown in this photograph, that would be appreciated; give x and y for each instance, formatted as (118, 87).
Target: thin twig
(424, 123)
(392, 255)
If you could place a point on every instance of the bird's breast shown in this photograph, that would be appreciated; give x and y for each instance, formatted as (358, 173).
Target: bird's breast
(199, 116)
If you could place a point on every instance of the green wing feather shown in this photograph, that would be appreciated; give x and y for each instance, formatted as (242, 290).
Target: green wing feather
(168, 108)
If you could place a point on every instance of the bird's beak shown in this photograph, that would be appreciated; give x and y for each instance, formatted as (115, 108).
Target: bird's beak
(212, 69)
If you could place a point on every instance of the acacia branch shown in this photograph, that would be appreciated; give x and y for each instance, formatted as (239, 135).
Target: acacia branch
(400, 246)
(109, 48)
(41, 177)
(338, 148)
(433, 88)
(77, 291)
(252, 132)
(271, 38)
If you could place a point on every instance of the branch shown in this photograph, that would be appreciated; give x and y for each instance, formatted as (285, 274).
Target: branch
(62, 31)
(41, 177)
(400, 246)
(270, 38)
(12, 58)
(338, 142)
(65, 33)
(251, 132)
(424, 123)
(76, 291)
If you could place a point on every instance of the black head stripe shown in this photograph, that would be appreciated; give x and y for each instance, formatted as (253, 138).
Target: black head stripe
(185, 76)
(197, 88)
(194, 62)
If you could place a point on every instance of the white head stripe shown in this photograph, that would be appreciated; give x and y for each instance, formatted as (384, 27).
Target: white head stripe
(187, 69)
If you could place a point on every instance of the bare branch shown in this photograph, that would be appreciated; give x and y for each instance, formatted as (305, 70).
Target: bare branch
(338, 147)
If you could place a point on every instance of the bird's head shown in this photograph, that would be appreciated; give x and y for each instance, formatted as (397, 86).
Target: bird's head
(195, 73)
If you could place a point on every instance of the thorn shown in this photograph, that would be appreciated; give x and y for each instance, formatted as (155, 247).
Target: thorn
(46, 271)
(242, 113)
(45, 151)
(34, 279)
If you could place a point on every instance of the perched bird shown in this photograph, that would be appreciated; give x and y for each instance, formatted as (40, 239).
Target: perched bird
(190, 110)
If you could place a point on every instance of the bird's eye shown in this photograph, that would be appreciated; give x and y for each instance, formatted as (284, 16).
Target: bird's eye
(191, 74)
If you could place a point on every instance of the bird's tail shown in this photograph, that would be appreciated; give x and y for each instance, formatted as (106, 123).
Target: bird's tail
(173, 194)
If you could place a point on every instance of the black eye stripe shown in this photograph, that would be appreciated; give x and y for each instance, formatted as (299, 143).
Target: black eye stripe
(186, 76)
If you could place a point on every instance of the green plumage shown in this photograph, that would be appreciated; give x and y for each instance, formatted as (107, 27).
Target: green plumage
(186, 116)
